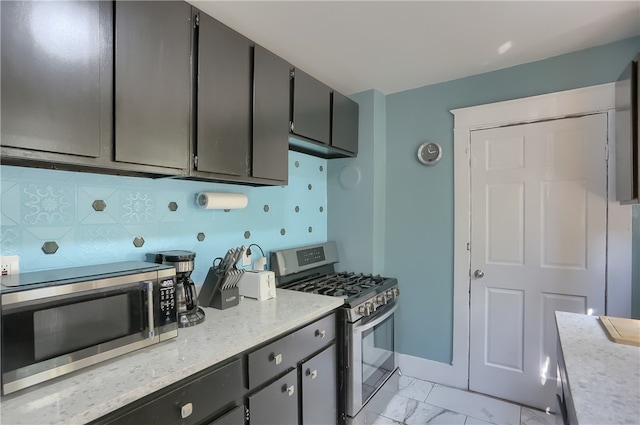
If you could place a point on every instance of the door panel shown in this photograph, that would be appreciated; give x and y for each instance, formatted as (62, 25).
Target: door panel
(538, 228)
(53, 55)
(152, 82)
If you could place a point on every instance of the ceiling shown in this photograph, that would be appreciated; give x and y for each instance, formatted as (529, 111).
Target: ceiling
(397, 45)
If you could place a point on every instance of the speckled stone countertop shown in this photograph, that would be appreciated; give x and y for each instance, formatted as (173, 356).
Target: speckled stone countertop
(90, 393)
(603, 376)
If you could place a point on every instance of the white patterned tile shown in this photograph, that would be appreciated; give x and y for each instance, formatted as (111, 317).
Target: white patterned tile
(414, 388)
(137, 207)
(86, 214)
(10, 239)
(475, 405)
(536, 417)
(10, 204)
(49, 204)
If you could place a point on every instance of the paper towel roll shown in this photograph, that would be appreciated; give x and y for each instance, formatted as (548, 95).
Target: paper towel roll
(221, 201)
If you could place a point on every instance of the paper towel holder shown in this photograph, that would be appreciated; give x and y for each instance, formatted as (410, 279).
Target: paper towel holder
(221, 201)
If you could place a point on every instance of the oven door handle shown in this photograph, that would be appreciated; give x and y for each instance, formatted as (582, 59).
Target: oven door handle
(365, 327)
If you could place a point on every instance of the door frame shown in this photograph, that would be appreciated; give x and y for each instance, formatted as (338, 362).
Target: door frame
(576, 102)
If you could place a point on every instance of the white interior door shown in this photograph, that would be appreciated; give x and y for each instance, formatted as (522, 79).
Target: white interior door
(538, 233)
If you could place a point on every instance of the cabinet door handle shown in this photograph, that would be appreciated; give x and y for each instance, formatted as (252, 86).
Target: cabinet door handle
(321, 333)
(186, 410)
(312, 373)
(289, 390)
(277, 358)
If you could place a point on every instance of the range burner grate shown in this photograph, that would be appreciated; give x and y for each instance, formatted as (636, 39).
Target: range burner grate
(345, 285)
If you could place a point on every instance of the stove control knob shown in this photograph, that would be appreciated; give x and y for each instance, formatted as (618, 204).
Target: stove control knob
(363, 310)
(381, 299)
(370, 307)
(396, 292)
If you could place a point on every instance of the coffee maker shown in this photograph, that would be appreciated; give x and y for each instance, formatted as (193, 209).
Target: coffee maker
(189, 314)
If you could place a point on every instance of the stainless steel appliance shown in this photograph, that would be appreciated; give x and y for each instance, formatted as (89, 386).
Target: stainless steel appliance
(368, 370)
(57, 321)
(189, 314)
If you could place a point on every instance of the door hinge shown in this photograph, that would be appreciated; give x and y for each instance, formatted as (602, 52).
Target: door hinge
(246, 413)
(292, 73)
(291, 126)
(606, 152)
(195, 161)
(196, 20)
(468, 246)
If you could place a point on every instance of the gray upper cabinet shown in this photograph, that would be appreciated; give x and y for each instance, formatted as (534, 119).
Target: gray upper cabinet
(323, 122)
(270, 116)
(224, 83)
(152, 82)
(344, 123)
(56, 76)
(311, 108)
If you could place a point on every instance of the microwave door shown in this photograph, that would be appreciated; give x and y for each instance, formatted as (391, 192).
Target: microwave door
(54, 332)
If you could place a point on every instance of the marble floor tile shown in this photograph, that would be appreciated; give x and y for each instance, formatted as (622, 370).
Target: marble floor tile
(474, 405)
(414, 388)
(530, 416)
(474, 421)
(407, 411)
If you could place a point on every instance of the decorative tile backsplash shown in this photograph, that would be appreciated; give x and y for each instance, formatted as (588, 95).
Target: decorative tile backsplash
(54, 219)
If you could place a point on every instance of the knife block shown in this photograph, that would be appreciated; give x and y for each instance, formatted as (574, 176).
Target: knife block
(212, 294)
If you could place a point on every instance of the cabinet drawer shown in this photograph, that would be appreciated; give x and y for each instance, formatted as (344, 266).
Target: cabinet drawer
(315, 336)
(271, 360)
(205, 397)
(276, 403)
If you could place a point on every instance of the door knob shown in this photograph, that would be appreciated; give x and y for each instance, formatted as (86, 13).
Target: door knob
(479, 274)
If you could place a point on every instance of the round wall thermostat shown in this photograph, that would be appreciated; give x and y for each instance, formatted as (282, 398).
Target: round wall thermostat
(429, 153)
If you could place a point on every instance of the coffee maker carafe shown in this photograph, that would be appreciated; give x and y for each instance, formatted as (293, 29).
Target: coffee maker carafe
(189, 313)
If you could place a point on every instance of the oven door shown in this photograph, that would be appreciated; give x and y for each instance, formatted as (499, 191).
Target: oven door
(51, 331)
(371, 358)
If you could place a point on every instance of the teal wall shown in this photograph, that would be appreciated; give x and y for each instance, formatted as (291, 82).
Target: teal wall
(357, 208)
(417, 216)
(46, 205)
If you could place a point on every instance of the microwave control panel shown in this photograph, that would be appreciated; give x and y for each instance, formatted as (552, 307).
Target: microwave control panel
(168, 307)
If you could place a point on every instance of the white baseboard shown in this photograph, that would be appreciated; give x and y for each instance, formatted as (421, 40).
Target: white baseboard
(432, 371)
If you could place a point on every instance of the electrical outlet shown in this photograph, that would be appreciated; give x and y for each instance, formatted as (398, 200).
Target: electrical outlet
(246, 258)
(9, 264)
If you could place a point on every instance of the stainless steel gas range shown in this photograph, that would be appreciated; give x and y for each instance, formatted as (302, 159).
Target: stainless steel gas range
(367, 366)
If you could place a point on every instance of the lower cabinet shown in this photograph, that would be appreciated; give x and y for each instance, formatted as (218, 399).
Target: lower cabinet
(277, 403)
(318, 388)
(290, 380)
(208, 397)
(293, 380)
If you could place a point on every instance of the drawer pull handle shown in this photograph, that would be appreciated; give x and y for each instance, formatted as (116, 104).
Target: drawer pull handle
(321, 333)
(289, 390)
(312, 373)
(277, 358)
(186, 410)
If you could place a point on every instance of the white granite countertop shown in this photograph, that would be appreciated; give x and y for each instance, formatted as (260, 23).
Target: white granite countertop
(603, 376)
(90, 393)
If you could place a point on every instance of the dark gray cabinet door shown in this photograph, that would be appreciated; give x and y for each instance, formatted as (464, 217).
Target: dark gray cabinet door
(344, 123)
(270, 116)
(224, 99)
(52, 58)
(319, 397)
(152, 82)
(311, 108)
(276, 404)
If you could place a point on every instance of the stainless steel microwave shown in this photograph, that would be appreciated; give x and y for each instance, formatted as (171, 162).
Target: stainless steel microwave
(57, 321)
